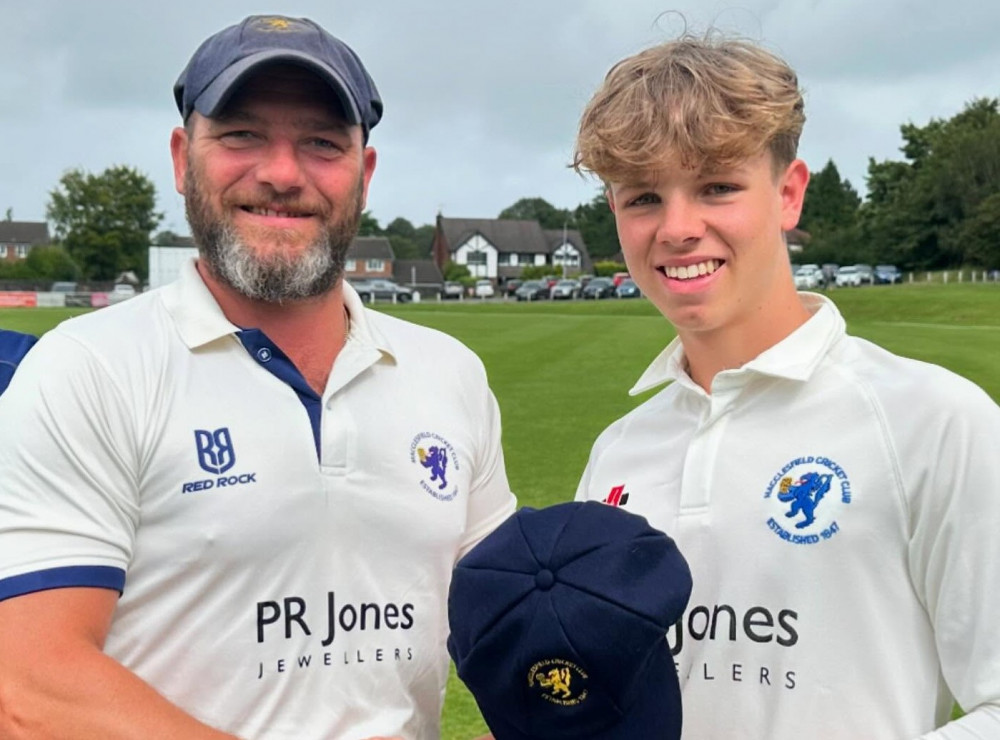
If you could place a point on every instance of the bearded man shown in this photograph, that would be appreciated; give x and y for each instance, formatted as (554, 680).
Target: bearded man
(214, 520)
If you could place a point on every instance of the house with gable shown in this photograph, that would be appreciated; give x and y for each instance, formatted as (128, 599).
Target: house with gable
(499, 249)
(369, 257)
(17, 238)
(373, 257)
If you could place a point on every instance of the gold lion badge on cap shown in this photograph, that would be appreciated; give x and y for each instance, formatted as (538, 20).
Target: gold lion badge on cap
(559, 681)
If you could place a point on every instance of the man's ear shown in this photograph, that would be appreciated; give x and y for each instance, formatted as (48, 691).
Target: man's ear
(792, 188)
(178, 152)
(368, 160)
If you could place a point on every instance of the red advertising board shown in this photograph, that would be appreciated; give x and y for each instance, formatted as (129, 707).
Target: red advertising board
(18, 299)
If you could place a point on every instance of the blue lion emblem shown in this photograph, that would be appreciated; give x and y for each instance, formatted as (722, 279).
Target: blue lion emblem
(437, 460)
(805, 495)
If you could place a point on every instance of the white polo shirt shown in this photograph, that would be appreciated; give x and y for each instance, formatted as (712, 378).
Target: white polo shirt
(838, 506)
(284, 557)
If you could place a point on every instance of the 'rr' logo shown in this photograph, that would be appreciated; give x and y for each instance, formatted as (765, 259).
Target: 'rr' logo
(215, 450)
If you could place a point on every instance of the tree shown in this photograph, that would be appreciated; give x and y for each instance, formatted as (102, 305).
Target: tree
(831, 203)
(169, 238)
(454, 271)
(105, 221)
(596, 224)
(424, 239)
(540, 210)
(830, 216)
(918, 210)
(608, 268)
(403, 238)
(981, 234)
(368, 226)
(52, 263)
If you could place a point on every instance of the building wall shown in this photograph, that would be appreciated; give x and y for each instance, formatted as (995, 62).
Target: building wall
(165, 263)
(567, 253)
(477, 244)
(11, 252)
(362, 268)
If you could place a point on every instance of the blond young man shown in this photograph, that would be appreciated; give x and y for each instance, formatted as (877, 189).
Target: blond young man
(836, 503)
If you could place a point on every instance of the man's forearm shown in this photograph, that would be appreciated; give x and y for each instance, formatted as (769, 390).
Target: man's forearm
(85, 694)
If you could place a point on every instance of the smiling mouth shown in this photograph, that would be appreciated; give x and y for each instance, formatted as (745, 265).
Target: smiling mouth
(274, 213)
(689, 272)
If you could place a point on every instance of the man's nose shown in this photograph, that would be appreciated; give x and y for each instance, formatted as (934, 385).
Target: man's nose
(280, 167)
(681, 223)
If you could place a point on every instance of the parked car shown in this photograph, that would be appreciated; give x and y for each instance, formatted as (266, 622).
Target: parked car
(599, 287)
(511, 286)
(121, 292)
(584, 279)
(63, 286)
(628, 289)
(867, 274)
(452, 289)
(808, 277)
(888, 274)
(532, 290)
(565, 289)
(847, 276)
(379, 289)
(484, 289)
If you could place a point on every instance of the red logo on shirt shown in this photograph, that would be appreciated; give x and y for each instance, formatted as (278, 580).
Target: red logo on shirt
(617, 497)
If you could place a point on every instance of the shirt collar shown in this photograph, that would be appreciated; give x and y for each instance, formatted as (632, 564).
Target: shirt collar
(200, 320)
(194, 310)
(795, 357)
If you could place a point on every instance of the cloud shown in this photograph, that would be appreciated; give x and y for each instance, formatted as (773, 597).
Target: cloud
(482, 99)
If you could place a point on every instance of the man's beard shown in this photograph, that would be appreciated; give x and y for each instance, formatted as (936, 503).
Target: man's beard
(278, 276)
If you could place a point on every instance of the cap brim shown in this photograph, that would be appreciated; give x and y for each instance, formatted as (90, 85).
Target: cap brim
(655, 713)
(213, 98)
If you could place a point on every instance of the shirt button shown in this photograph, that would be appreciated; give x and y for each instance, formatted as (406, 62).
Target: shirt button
(264, 354)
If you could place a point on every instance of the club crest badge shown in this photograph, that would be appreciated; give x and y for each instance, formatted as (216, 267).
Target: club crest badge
(438, 465)
(558, 681)
(804, 498)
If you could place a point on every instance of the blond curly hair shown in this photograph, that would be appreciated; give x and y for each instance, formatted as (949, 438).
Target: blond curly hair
(700, 102)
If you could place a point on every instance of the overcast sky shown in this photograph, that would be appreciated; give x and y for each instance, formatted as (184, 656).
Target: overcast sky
(481, 98)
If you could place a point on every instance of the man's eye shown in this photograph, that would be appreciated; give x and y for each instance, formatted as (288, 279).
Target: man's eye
(720, 188)
(644, 200)
(325, 145)
(237, 137)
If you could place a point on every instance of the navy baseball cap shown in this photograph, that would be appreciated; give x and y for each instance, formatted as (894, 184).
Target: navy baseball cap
(225, 60)
(559, 621)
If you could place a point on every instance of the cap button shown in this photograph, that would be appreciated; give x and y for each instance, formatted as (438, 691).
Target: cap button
(545, 580)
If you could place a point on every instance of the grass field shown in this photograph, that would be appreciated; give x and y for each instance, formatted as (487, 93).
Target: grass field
(561, 372)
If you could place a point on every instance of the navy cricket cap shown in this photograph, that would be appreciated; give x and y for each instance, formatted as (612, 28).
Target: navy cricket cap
(558, 625)
(225, 60)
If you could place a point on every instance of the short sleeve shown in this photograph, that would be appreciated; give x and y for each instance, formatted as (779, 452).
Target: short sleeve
(68, 502)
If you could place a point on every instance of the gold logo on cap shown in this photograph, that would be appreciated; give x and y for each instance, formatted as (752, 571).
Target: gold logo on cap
(558, 681)
(277, 24)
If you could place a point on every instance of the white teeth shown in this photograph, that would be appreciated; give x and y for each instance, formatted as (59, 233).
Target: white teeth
(692, 271)
(269, 212)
